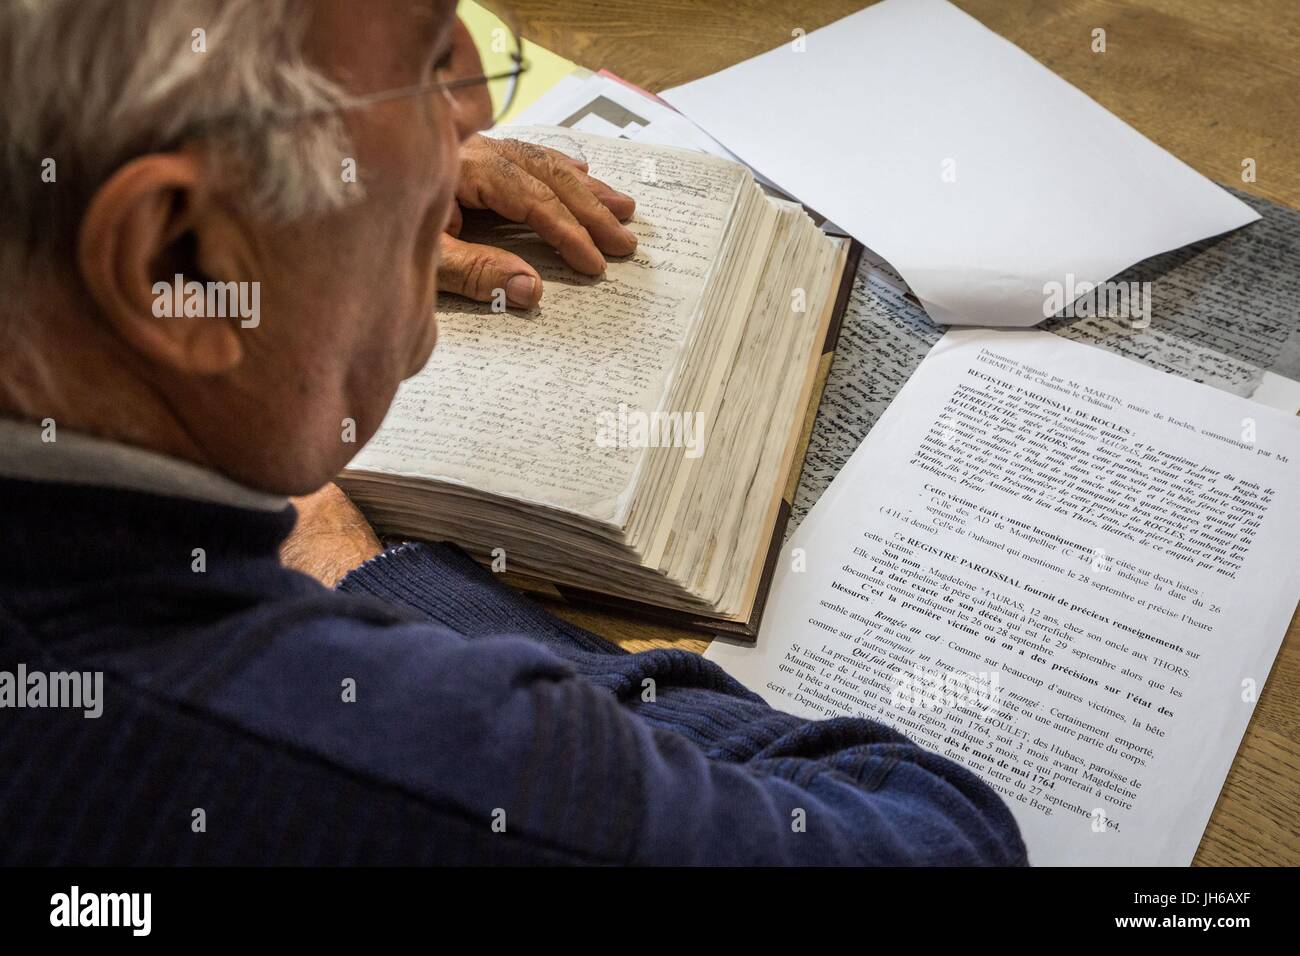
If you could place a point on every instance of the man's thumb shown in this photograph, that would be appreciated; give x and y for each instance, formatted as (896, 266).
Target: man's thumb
(487, 274)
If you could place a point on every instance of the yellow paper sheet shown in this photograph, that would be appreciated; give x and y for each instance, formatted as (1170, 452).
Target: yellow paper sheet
(545, 68)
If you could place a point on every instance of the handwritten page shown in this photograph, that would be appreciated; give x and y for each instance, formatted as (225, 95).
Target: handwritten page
(510, 401)
(974, 170)
(1067, 571)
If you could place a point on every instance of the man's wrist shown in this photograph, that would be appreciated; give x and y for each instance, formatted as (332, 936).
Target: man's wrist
(330, 538)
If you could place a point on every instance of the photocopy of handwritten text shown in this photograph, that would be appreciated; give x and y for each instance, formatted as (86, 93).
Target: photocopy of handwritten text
(1060, 568)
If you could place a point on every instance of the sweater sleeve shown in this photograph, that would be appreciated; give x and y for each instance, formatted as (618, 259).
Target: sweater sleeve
(833, 792)
(709, 773)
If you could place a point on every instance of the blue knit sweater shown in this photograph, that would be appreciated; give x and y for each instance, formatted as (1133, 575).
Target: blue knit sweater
(482, 730)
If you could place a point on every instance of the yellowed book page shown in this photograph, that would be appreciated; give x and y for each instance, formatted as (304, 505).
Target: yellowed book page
(521, 404)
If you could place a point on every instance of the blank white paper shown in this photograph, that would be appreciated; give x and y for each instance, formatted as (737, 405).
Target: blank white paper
(975, 171)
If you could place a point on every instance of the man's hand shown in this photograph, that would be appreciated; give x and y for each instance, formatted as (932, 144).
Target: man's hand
(549, 192)
(331, 537)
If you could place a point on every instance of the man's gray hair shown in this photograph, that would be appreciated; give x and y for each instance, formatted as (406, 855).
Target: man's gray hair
(89, 84)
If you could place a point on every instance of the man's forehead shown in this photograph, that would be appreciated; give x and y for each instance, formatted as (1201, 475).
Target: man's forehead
(425, 16)
(385, 44)
(435, 15)
(439, 12)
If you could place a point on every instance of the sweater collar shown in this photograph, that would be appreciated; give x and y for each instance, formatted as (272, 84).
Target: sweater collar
(83, 509)
(33, 453)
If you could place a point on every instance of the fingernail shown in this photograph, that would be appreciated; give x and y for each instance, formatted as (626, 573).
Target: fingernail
(519, 291)
(630, 236)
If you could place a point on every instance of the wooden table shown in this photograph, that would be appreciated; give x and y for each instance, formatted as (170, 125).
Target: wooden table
(1212, 82)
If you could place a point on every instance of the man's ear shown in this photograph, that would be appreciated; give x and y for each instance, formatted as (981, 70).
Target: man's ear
(138, 231)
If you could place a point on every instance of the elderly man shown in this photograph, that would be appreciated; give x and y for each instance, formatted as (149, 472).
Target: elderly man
(247, 713)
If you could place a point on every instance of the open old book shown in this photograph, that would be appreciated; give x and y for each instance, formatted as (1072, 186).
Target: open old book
(633, 440)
